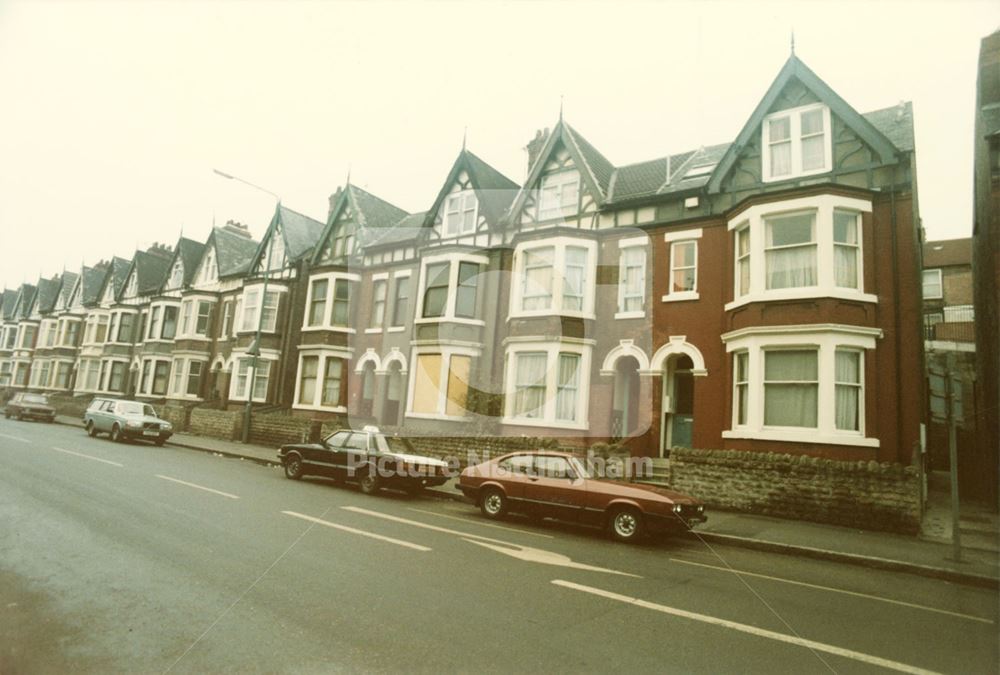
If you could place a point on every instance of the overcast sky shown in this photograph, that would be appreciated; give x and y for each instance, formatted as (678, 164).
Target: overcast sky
(113, 115)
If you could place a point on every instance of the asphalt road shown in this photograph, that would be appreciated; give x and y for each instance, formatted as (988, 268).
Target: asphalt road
(133, 558)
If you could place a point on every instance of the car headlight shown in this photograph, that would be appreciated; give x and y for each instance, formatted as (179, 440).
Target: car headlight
(132, 424)
(677, 508)
(167, 426)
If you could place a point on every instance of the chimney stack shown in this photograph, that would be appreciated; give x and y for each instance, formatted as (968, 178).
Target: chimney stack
(235, 227)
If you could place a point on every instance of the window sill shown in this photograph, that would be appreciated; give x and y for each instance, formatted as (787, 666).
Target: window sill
(796, 435)
(436, 416)
(630, 315)
(395, 329)
(802, 294)
(534, 314)
(537, 422)
(334, 329)
(680, 296)
(320, 408)
(801, 174)
(450, 319)
(372, 331)
(194, 338)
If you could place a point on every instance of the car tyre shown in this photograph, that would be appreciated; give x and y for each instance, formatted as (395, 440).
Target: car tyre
(625, 524)
(91, 430)
(293, 467)
(116, 434)
(369, 482)
(493, 504)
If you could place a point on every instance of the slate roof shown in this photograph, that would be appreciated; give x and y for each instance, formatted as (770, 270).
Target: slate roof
(948, 252)
(301, 232)
(66, 290)
(374, 211)
(151, 269)
(48, 293)
(407, 229)
(895, 123)
(233, 252)
(93, 282)
(497, 192)
(377, 219)
(600, 168)
(7, 301)
(25, 295)
(190, 252)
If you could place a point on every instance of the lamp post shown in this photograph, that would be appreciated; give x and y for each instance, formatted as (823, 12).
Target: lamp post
(254, 350)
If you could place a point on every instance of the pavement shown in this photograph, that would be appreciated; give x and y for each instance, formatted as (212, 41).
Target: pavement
(928, 556)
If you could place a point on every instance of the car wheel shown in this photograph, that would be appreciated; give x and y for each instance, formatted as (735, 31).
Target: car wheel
(293, 467)
(370, 483)
(116, 434)
(91, 430)
(493, 504)
(625, 524)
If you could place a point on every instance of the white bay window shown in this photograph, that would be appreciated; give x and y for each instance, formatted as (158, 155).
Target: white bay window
(807, 247)
(547, 384)
(800, 383)
(554, 276)
(260, 309)
(244, 378)
(328, 302)
(449, 288)
(439, 383)
(322, 380)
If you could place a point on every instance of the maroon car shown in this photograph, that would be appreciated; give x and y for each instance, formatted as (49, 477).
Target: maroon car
(560, 485)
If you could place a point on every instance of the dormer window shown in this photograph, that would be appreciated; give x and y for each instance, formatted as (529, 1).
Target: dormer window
(176, 275)
(796, 142)
(132, 289)
(460, 213)
(559, 195)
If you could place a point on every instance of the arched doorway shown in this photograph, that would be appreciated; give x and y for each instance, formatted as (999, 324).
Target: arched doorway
(678, 403)
(625, 402)
(393, 394)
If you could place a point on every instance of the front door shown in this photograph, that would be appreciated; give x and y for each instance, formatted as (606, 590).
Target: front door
(678, 406)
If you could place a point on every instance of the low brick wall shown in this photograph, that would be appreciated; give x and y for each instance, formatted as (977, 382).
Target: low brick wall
(71, 406)
(276, 430)
(223, 424)
(865, 495)
(176, 415)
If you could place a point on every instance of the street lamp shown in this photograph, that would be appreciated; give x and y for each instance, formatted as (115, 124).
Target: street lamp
(254, 350)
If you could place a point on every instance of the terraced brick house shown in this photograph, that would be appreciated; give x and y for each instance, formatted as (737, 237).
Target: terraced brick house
(203, 344)
(271, 305)
(8, 337)
(25, 333)
(104, 354)
(55, 353)
(83, 300)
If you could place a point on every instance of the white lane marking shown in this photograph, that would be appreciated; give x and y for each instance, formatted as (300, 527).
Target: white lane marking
(751, 630)
(537, 555)
(199, 487)
(470, 521)
(834, 590)
(514, 550)
(363, 533)
(80, 454)
(15, 438)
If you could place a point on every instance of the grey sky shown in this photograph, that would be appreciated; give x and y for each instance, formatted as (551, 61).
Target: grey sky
(114, 114)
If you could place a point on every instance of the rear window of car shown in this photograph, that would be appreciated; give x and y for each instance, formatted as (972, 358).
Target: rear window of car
(34, 398)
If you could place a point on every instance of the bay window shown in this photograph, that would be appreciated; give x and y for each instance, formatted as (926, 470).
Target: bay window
(800, 383)
(63, 372)
(260, 313)
(807, 247)
(195, 317)
(449, 288)
(439, 387)
(245, 379)
(796, 142)
(153, 378)
(328, 302)
(547, 384)
(554, 276)
(559, 195)
(186, 380)
(320, 382)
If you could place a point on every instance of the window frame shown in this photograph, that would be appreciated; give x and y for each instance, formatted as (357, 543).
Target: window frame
(446, 352)
(939, 273)
(794, 116)
(827, 341)
(322, 355)
(754, 218)
(454, 261)
(559, 180)
(559, 246)
(462, 197)
(553, 350)
(352, 282)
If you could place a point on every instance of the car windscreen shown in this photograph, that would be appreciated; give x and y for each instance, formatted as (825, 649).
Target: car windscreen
(393, 444)
(134, 408)
(34, 398)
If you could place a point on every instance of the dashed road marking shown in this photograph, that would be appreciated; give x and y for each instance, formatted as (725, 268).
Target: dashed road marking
(80, 454)
(363, 533)
(199, 487)
(470, 521)
(15, 438)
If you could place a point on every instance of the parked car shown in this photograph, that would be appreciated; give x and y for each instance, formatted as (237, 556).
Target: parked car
(560, 485)
(25, 406)
(368, 457)
(126, 420)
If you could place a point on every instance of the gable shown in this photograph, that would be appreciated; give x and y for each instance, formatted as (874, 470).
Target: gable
(208, 267)
(76, 298)
(341, 235)
(559, 162)
(459, 210)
